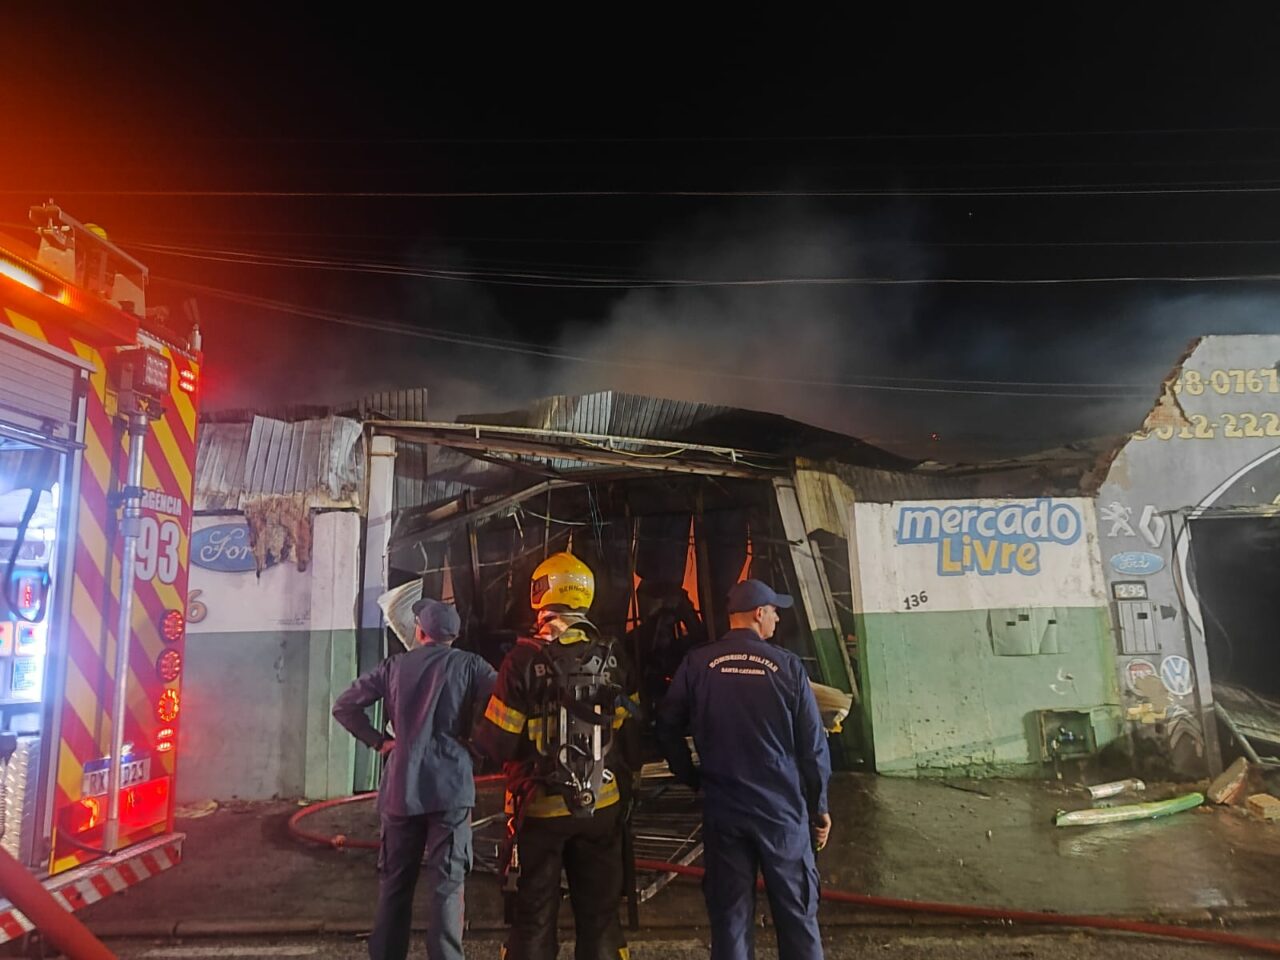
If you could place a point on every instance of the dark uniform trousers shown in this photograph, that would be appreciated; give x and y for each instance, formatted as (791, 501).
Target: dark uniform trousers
(590, 851)
(733, 854)
(445, 838)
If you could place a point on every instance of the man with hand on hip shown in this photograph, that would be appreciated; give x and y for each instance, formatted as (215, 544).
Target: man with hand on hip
(432, 694)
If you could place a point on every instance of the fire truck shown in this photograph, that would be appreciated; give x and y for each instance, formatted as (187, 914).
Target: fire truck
(98, 396)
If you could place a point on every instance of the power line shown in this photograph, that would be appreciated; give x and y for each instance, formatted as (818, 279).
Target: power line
(650, 241)
(751, 138)
(904, 385)
(856, 244)
(637, 241)
(561, 281)
(1211, 187)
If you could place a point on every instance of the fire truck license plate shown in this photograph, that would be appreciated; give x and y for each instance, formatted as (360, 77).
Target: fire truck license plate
(94, 783)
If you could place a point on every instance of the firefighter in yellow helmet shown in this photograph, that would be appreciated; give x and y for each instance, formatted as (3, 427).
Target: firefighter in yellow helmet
(559, 721)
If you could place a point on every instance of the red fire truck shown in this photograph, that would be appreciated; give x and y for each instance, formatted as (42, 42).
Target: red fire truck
(98, 397)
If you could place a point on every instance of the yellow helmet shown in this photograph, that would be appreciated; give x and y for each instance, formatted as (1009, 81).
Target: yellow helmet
(562, 580)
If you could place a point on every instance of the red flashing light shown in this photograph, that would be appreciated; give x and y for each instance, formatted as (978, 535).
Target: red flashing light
(164, 740)
(167, 706)
(187, 381)
(173, 626)
(144, 805)
(169, 665)
(27, 601)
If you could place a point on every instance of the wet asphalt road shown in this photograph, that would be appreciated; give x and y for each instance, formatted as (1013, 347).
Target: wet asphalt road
(844, 945)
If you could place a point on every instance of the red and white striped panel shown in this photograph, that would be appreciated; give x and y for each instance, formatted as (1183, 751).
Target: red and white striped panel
(99, 880)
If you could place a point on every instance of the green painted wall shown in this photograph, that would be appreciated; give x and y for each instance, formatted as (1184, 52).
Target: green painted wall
(256, 715)
(940, 701)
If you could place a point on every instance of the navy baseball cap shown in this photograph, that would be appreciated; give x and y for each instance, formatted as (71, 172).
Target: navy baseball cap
(750, 594)
(439, 621)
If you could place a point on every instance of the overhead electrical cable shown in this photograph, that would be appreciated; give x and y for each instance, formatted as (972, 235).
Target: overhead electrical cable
(1151, 188)
(561, 281)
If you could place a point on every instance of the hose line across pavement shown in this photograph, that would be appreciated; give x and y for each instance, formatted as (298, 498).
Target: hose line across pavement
(961, 910)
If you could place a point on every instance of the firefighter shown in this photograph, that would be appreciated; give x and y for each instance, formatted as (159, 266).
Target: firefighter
(764, 769)
(432, 695)
(558, 720)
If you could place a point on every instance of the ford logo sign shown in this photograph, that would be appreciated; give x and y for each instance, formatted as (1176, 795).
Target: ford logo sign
(1137, 564)
(224, 548)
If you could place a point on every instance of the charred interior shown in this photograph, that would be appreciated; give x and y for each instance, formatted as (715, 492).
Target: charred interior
(1237, 569)
(664, 550)
(1236, 564)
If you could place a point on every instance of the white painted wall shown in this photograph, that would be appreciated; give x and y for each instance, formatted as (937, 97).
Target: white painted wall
(282, 597)
(264, 661)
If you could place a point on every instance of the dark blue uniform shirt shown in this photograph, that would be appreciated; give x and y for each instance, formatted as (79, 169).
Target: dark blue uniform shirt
(755, 723)
(432, 695)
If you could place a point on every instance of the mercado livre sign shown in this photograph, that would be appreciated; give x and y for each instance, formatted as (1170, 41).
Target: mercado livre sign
(990, 540)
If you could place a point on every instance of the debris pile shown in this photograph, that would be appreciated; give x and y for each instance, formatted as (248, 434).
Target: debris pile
(1241, 787)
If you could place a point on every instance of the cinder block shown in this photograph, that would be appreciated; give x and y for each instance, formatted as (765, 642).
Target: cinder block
(1265, 806)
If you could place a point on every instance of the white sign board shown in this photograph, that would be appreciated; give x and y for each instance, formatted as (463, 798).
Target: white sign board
(976, 554)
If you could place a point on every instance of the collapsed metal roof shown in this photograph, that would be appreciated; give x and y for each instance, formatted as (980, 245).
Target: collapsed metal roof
(321, 461)
(610, 413)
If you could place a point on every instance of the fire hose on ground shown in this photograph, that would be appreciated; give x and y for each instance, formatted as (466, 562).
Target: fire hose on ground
(51, 918)
(959, 910)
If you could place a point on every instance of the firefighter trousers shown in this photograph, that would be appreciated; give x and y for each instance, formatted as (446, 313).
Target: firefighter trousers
(445, 839)
(733, 854)
(589, 850)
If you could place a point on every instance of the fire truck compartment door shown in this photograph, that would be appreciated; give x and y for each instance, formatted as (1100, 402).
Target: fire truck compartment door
(38, 385)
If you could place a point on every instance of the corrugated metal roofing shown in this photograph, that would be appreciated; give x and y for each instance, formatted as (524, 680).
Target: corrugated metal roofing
(220, 455)
(427, 473)
(410, 404)
(322, 460)
(1074, 470)
(655, 418)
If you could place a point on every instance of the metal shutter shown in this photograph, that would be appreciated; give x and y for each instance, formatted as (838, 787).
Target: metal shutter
(38, 385)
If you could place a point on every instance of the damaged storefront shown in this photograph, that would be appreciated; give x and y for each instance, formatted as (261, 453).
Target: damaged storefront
(976, 612)
(1189, 522)
(669, 504)
(275, 547)
(1002, 619)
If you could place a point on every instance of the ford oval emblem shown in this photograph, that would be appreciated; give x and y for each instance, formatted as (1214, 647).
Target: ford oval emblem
(224, 548)
(1137, 564)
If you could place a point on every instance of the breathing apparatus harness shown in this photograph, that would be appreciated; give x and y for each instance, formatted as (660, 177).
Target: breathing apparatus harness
(574, 697)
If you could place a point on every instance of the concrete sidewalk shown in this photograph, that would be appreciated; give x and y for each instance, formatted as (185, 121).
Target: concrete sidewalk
(989, 843)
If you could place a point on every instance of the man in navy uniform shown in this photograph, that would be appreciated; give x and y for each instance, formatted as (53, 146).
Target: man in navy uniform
(432, 696)
(764, 769)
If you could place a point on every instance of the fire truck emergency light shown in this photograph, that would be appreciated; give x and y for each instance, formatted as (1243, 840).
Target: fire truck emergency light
(164, 740)
(143, 371)
(173, 626)
(187, 381)
(167, 706)
(169, 665)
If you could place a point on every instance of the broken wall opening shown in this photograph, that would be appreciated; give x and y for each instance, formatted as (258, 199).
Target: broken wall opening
(664, 550)
(1235, 565)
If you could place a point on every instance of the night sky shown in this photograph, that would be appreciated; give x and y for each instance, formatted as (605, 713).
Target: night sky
(730, 163)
